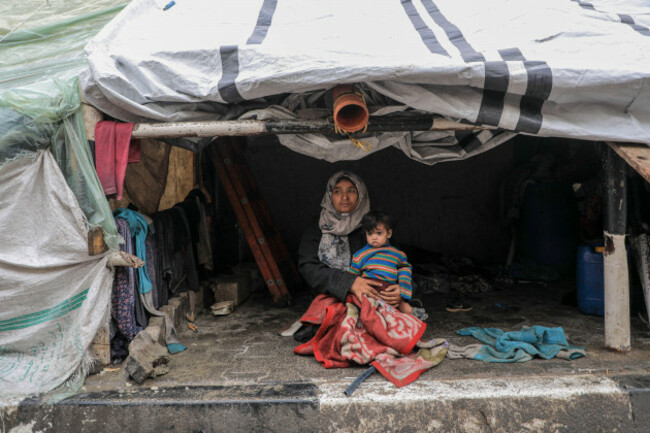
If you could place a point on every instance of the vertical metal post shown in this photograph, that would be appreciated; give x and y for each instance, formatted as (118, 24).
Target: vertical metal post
(617, 284)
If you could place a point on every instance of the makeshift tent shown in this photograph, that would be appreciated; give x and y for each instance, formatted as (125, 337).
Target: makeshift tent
(558, 68)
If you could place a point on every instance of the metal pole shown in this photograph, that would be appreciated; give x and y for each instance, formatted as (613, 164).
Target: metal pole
(230, 128)
(616, 278)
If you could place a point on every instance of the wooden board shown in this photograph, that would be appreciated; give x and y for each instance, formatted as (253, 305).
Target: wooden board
(636, 155)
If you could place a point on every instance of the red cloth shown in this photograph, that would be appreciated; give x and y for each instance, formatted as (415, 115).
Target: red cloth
(371, 331)
(113, 151)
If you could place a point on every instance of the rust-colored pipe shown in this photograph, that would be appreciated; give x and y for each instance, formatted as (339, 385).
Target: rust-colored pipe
(350, 110)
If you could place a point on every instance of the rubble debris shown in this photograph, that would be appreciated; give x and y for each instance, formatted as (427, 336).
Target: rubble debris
(147, 357)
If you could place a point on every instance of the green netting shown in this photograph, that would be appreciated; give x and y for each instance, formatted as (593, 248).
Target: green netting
(41, 55)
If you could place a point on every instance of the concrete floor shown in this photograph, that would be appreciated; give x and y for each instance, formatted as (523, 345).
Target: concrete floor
(238, 374)
(245, 347)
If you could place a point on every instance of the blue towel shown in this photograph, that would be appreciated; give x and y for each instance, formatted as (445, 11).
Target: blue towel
(517, 346)
(138, 226)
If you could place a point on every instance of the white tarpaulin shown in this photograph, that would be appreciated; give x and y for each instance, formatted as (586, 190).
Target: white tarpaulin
(53, 294)
(561, 68)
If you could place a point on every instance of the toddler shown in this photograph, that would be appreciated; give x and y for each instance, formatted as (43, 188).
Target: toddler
(378, 260)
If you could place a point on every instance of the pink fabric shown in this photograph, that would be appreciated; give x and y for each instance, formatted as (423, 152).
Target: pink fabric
(113, 151)
(365, 332)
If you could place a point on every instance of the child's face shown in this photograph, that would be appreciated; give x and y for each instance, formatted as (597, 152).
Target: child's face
(379, 236)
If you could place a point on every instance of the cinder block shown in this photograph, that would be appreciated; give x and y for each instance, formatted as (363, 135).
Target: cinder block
(157, 329)
(101, 345)
(253, 271)
(196, 300)
(184, 306)
(171, 312)
(235, 288)
(176, 308)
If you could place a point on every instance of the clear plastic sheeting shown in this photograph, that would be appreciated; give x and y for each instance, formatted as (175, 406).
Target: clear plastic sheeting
(558, 68)
(41, 55)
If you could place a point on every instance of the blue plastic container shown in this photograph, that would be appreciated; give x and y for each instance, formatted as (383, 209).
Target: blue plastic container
(591, 284)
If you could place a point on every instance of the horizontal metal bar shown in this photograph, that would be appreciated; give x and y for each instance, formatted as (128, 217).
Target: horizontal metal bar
(221, 128)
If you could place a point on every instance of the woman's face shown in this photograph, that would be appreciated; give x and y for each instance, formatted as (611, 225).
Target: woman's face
(345, 196)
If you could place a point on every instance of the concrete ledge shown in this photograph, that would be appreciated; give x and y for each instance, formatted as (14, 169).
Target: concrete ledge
(236, 408)
(587, 403)
(538, 404)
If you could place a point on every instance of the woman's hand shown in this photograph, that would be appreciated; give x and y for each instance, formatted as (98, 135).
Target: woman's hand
(392, 295)
(362, 286)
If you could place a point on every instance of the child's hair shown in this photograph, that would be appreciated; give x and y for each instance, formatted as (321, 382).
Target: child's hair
(373, 218)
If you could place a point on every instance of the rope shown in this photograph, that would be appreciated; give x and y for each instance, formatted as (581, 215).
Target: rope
(46, 2)
(363, 376)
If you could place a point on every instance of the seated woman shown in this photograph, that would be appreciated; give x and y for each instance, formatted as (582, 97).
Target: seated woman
(350, 321)
(326, 249)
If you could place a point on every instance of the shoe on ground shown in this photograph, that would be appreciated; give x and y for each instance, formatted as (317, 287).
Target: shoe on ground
(458, 306)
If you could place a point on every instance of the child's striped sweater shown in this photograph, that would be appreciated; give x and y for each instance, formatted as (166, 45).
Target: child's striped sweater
(385, 263)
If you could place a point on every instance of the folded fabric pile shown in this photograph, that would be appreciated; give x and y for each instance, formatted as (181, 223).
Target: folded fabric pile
(517, 346)
(370, 332)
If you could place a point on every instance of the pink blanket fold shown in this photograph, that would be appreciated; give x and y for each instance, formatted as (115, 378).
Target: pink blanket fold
(368, 332)
(113, 151)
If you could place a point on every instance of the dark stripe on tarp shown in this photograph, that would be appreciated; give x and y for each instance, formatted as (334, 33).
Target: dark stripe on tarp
(230, 53)
(425, 32)
(585, 5)
(511, 54)
(467, 52)
(627, 19)
(497, 75)
(497, 78)
(263, 22)
(230, 70)
(468, 141)
(540, 82)
(538, 89)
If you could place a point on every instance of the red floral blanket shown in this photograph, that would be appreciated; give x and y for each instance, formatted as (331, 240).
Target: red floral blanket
(370, 332)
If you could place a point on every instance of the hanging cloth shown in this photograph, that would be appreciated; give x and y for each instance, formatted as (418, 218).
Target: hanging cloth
(138, 226)
(113, 151)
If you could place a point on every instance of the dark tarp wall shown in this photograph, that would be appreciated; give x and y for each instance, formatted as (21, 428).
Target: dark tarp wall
(451, 208)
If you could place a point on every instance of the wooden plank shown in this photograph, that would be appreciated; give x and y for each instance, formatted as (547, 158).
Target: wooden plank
(636, 155)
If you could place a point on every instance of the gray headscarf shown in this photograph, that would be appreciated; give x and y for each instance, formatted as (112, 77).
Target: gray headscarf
(334, 248)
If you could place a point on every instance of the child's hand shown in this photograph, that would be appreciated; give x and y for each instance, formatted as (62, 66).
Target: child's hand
(392, 295)
(362, 286)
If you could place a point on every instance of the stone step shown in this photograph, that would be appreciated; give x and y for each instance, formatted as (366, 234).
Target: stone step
(585, 403)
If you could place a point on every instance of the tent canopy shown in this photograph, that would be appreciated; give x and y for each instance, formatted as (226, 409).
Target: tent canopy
(558, 68)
